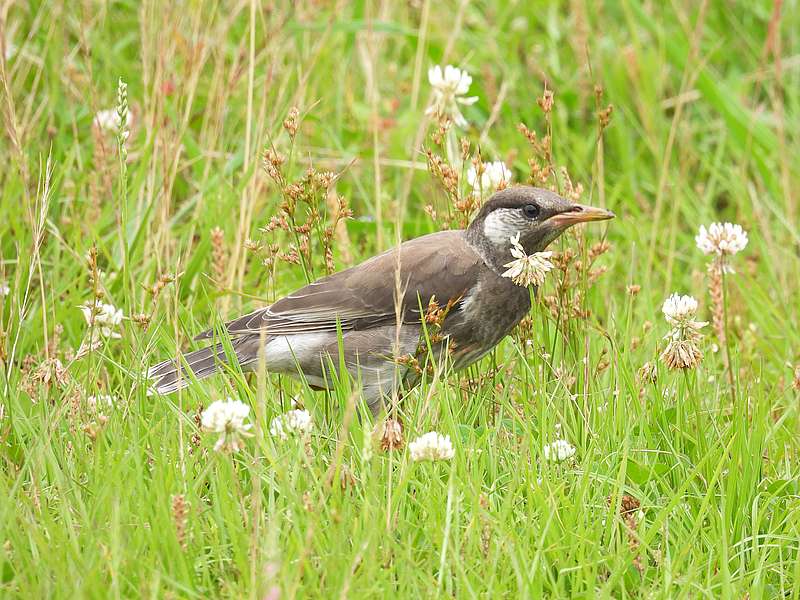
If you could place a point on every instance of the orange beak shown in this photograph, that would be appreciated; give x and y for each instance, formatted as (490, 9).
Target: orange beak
(579, 213)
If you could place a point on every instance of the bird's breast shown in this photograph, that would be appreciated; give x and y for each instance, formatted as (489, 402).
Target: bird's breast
(487, 314)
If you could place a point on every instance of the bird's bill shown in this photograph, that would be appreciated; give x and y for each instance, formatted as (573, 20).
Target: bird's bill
(580, 213)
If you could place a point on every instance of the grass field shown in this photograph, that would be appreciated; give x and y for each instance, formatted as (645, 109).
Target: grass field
(684, 483)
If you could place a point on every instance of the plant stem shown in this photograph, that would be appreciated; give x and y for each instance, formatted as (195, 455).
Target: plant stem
(731, 379)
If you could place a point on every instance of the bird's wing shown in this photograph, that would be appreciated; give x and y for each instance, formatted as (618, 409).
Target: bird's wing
(442, 264)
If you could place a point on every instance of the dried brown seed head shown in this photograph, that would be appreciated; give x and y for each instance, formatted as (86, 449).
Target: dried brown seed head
(546, 101)
(291, 122)
(392, 435)
(141, 319)
(180, 513)
(648, 373)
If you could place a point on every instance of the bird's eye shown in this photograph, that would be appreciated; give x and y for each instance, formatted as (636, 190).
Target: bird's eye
(531, 211)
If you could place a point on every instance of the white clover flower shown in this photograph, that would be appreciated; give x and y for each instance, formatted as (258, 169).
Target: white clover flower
(496, 175)
(294, 422)
(526, 269)
(88, 314)
(679, 309)
(721, 239)
(110, 314)
(559, 450)
(227, 417)
(108, 120)
(449, 89)
(431, 446)
(97, 403)
(106, 317)
(683, 350)
(5, 290)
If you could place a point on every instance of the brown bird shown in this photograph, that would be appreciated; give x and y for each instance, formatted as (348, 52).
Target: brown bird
(298, 334)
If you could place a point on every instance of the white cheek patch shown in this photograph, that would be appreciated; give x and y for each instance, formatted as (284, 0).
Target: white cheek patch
(500, 226)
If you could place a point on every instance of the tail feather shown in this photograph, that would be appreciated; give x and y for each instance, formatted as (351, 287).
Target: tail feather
(172, 376)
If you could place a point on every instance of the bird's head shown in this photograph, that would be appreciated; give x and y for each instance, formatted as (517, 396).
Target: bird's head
(538, 216)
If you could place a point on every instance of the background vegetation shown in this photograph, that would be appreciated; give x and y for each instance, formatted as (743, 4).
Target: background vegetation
(131, 500)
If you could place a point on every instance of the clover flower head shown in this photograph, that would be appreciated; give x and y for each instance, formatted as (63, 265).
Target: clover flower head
(449, 89)
(104, 317)
(494, 176)
(683, 349)
(5, 290)
(722, 239)
(526, 269)
(679, 310)
(431, 446)
(295, 422)
(558, 451)
(227, 417)
(107, 120)
(110, 121)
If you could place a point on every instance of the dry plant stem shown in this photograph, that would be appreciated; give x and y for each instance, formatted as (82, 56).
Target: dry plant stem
(715, 290)
(455, 32)
(259, 455)
(12, 126)
(499, 102)
(420, 54)
(37, 215)
(600, 156)
(248, 190)
(219, 256)
(717, 284)
(369, 51)
(179, 516)
(340, 228)
(773, 45)
(549, 149)
(451, 147)
(673, 131)
(399, 292)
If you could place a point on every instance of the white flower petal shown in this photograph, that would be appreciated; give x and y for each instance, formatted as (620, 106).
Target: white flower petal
(559, 450)
(435, 76)
(431, 446)
(225, 416)
(449, 87)
(679, 309)
(295, 421)
(721, 239)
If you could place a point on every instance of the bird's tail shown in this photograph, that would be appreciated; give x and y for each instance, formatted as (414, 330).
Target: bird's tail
(171, 376)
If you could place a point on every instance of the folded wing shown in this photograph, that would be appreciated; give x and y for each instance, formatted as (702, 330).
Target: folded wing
(442, 264)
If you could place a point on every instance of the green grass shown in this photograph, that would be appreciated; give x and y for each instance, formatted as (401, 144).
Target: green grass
(706, 127)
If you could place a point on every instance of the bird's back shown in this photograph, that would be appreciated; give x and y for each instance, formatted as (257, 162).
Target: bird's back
(441, 265)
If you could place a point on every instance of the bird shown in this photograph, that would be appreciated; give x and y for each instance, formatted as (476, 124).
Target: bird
(375, 312)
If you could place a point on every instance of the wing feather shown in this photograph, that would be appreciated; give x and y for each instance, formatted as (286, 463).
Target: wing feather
(440, 264)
